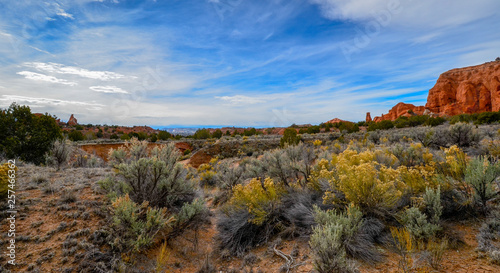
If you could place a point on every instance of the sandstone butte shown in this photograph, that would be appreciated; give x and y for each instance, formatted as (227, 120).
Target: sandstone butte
(469, 90)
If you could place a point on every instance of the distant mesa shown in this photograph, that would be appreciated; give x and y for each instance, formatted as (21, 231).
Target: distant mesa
(337, 120)
(468, 90)
(72, 121)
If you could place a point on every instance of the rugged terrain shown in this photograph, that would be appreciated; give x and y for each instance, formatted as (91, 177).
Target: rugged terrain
(472, 89)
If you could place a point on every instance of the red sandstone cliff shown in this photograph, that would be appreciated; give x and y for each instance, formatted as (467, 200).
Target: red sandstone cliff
(466, 90)
(471, 89)
(401, 109)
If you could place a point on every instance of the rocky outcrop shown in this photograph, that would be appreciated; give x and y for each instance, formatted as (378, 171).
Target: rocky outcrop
(469, 90)
(337, 120)
(72, 121)
(368, 117)
(401, 109)
(466, 90)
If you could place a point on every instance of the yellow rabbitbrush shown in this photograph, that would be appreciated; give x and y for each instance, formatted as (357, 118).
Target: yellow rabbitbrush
(4, 180)
(259, 199)
(363, 181)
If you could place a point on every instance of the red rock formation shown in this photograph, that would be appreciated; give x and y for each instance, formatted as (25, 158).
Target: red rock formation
(401, 109)
(466, 90)
(72, 121)
(471, 89)
(368, 117)
(336, 120)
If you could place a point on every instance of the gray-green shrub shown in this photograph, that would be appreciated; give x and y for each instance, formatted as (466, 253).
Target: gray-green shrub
(480, 174)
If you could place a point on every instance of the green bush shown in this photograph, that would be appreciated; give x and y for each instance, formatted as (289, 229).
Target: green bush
(217, 134)
(382, 125)
(201, 134)
(289, 137)
(164, 135)
(25, 135)
(76, 136)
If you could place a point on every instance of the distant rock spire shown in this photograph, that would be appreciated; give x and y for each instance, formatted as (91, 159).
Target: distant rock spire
(72, 121)
(368, 117)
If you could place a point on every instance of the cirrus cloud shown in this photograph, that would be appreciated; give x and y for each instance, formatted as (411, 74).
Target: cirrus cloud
(41, 77)
(82, 72)
(108, 89)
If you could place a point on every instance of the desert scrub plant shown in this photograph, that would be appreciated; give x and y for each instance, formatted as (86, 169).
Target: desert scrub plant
(158, 178)
(226, 177)
(357, 235)
(59, 153)
(251, 216)
(289, 137)
(454, 163)
(414, 155)
(488, 237)
(301, 157)
(480, 174)
(4, 179)
(258, 197)
(191, 215)
(463, 135)
(423, 227)
(372, 187)
(206, 173)
(136, 225)
(336, 236)
(403, 243)
(417, 224)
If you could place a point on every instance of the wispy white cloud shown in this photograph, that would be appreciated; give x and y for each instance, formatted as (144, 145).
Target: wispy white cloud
(41, 77)
(82, 72)
(108, 89)
(428, 13)
(240, 99)
(32, 101)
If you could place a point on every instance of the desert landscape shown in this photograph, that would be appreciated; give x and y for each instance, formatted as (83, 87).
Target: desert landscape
(237, 136)
(415, 190)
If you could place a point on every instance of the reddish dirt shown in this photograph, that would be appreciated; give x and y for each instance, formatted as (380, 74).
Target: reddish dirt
(102, 150)
(40, 214)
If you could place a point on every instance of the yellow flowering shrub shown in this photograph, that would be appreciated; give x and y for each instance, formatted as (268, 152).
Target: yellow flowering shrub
(456, 162)
(317, 142)
(364, 182)
(207, 172)
(259, 199)
(493, 147)
(4, 180)
(322, 171)
(418, 178)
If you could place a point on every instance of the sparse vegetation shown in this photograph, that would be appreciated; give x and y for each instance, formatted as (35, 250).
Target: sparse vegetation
(334, 197)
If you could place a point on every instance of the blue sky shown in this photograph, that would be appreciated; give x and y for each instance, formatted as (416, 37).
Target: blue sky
(235, 62)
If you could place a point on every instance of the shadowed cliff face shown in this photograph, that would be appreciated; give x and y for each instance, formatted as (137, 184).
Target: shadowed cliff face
(471, 89)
